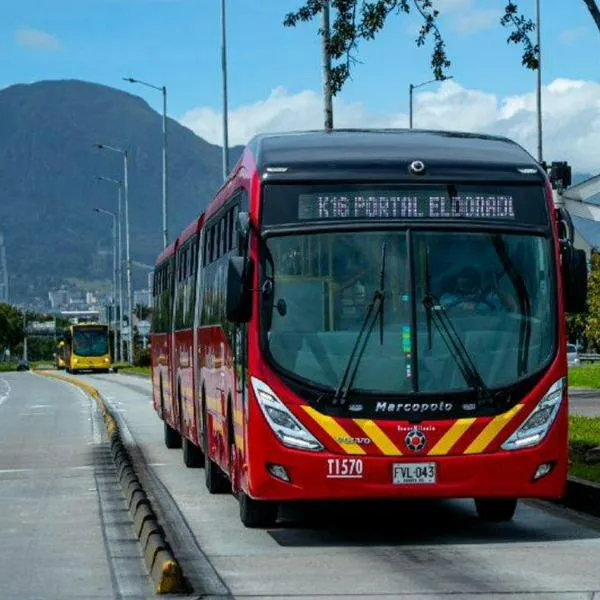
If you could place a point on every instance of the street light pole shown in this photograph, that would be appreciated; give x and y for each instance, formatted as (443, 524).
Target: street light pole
(114, 294)
(127, 249)
(411, 89)
(328, 100)
(165, 185)
(225, 102)
(539, 81)
(121, 349)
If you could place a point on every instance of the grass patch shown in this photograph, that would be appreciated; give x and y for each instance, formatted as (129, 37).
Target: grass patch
(587, 376)
(144, 371)
(584, 433)
(7, 367)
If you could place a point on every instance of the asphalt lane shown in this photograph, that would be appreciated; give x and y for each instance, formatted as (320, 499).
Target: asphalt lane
(584, 402)
(64, 526)
(433, 550)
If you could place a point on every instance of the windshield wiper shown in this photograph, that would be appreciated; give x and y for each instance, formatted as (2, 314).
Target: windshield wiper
(358, 349)
(457, 350)
(519, 284)
(435, 312)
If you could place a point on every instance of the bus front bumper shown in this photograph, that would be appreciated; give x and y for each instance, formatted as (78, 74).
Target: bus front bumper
(324, 476)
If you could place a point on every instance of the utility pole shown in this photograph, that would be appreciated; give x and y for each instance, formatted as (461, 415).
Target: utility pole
(328, 96)
(165, 183)
(539, 81)
(225, 102)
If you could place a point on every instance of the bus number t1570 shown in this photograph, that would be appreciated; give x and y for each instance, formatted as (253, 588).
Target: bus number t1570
(344, 468)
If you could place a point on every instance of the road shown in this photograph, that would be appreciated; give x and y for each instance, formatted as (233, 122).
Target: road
(401, 551)
(64, 529)
(584, 402)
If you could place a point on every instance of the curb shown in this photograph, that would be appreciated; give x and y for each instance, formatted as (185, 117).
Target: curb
(582, 495)
(162, 566)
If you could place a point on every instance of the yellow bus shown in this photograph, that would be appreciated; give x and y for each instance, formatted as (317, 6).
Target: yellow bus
(87, 348)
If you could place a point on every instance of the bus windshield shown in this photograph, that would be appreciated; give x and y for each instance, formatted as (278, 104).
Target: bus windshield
(495, 289)
(90, 341)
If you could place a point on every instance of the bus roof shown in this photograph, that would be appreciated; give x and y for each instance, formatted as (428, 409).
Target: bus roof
(166, 253)
(193, 228)
(305, 150)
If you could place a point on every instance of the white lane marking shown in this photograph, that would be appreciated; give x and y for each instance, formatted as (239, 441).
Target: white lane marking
(41, 406)
(15, 471)
(4, 391)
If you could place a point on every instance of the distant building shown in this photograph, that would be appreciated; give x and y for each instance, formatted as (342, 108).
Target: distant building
(142, 297)
(583, 203)
(59, 298)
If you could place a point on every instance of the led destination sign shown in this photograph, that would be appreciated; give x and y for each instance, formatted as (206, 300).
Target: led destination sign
(409, 206)
(305, 203)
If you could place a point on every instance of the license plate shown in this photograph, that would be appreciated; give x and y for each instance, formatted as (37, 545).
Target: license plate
(415, 473)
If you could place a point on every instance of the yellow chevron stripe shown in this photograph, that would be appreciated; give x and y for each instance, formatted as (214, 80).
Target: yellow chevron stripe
(492, 429)
(447, 441)
(379, 438)
(335, 430)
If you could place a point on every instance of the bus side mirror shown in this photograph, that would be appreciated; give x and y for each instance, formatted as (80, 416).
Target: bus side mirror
(238, 305)
(575, 279)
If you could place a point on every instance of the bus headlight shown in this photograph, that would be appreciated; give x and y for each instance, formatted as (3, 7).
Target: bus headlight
(285, 425)
(537, 425)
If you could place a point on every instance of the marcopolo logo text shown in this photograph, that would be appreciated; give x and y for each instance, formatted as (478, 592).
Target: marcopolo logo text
(407, 407)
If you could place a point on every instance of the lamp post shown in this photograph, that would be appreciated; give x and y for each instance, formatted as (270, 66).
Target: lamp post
(114, 294)
(327, 92)
(412, 87)
(163, 90)
(127, 250)
(224, 71)
(539, 81)
(121, 349)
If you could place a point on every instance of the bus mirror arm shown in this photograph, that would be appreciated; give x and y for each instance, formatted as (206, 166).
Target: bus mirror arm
(238, 304)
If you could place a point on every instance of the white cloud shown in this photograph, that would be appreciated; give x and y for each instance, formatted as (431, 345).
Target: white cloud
(571, 111)
(475, 21)
(465, 19)
(572, 36)
(33, 38)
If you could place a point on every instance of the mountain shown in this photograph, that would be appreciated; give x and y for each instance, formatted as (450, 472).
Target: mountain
(48, 187)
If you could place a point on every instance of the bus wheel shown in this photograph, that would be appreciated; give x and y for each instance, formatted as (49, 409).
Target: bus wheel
(495, 509)
(214, 478)
(193, 458)
(256, 513)
(172, 438)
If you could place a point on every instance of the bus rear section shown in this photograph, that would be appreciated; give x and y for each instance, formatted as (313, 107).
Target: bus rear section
(88, 348)
(401, 336)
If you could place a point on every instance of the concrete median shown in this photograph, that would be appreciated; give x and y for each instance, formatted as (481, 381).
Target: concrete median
(161, 564)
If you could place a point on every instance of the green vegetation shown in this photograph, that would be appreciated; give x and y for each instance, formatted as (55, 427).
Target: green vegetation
(587, 376)
(584, 433)
(6, 367)
(145, 371)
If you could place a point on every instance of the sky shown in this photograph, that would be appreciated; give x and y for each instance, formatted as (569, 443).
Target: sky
(274, 72)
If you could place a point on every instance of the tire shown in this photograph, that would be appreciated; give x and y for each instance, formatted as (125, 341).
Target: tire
(193, 457)
(214, 478)
(257, 513)
(495, 510)
(172, 438)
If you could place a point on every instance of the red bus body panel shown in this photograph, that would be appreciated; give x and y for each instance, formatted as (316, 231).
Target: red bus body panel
(468, 452)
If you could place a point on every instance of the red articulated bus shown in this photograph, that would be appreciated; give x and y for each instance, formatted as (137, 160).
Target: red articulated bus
(365, 314)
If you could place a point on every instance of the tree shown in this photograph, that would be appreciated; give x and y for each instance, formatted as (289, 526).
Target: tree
(592, 329)
(358, 20)
(11, 327)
